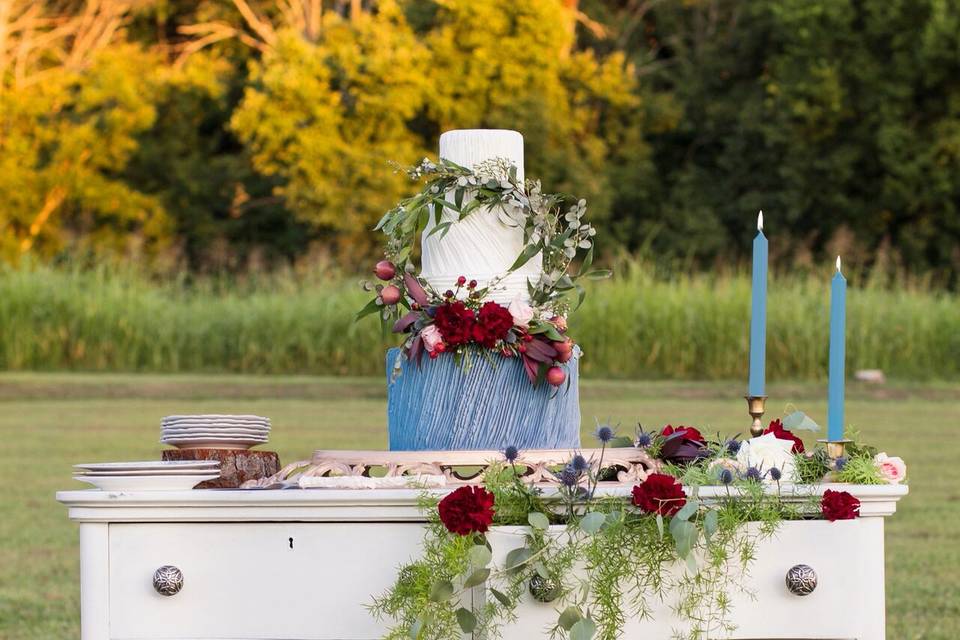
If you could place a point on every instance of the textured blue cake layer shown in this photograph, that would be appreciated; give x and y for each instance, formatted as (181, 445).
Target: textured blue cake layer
(441, 407)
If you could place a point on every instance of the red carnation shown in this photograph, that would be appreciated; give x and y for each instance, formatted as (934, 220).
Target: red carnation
(776, 428)
(467, 510)
(659, 493)
(839, 505)
(690, 433)
(455, 322)
(493, 323)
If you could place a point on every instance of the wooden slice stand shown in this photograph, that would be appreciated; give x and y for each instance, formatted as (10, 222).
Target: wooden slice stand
(236, 465)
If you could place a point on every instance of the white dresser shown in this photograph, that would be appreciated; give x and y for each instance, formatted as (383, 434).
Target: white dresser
(304, 564)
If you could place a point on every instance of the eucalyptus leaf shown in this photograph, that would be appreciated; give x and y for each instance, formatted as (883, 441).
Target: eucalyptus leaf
(685, 536)
(587, 261)
(660, 525)
(710, 523)
(692, 563)
(687, 511)
(583, 629)
(517, 557)
(538, 520)
(415, 629)
(466, 620)
(541, 570)
(799, 421)
(501, 597)
(371, 307)
(528, 252)
(581, 295)
(479, 556)
(592, 522)
(599, 274)
(477, 577)
(569, 617)
(441, 591)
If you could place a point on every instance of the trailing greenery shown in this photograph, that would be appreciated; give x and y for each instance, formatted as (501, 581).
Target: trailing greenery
(602, 558)
(608, 563)
(637, 325)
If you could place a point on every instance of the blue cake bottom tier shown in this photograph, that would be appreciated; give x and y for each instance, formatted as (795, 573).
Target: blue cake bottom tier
(439, 406)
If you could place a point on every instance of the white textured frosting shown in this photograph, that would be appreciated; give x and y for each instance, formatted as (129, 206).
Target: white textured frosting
(479, 247)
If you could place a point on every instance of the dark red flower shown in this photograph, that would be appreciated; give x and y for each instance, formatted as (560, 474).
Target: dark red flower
(839, 505)
(690, 433)
(467, 510)
(659, 493)
(776, 428)
(455, 322)
(493, 323)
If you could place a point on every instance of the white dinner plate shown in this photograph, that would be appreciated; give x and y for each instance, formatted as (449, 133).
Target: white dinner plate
(213, 436)
(211, 443)
(147, 483)
(213, 429)
(148, 465)
(215, 418)
(151, 472)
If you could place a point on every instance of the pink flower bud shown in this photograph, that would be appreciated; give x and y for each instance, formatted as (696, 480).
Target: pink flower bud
(390, 294)
(385, 270)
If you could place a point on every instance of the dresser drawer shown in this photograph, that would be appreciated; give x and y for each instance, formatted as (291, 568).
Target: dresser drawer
(847, 603)
(297, 581)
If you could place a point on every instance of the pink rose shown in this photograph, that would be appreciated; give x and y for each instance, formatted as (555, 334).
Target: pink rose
(521, 311)
(431, 337)
(892, 469)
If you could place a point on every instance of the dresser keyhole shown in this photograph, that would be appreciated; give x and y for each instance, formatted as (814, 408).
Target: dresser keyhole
(291, 543)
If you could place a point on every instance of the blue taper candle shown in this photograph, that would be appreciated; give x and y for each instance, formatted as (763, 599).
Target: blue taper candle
(838, 324)
(758, 313)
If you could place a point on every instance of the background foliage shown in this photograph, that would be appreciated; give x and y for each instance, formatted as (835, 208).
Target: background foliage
(229, 134)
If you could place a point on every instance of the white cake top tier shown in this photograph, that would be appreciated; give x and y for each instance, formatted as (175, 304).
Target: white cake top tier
(480, 247)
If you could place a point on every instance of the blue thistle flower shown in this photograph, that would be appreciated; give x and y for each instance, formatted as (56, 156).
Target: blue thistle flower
(775, 474)
(840, 463)
(605, 433)
(644, 439)
(569, 478)
(753, 473)
(733, 446)
(579, 463)
(511, 453)
(726, 476)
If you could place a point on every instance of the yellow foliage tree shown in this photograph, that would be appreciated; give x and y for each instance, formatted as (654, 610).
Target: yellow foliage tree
(326, 116)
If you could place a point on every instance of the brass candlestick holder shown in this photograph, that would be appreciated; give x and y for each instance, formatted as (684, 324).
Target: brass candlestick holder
(755, 407)
(836, 448)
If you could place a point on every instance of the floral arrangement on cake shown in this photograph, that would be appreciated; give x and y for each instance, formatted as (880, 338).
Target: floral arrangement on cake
(601, 559)
(462, 320)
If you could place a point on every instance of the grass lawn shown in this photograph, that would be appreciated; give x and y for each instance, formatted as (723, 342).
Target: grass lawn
(49, 422)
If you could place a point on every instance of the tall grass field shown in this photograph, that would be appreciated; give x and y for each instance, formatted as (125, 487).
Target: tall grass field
(635, 325)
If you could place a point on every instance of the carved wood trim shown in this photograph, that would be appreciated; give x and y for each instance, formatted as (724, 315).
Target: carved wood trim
(539, 466)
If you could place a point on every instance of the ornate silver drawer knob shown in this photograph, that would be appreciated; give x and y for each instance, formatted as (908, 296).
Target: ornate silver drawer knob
(168, 580)
(801, 580)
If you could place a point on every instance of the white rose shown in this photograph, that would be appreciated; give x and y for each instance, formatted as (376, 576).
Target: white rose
(766, 452)
(521, 311)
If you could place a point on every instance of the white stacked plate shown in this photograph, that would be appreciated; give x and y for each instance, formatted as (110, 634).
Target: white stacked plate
(214, 431)
(151, 475)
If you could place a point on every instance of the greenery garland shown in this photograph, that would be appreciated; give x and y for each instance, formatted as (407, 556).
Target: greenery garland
(612, 559)
(559, 235)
